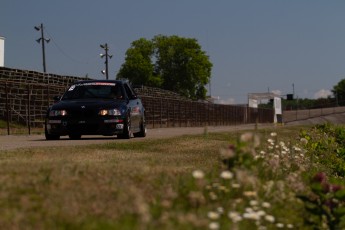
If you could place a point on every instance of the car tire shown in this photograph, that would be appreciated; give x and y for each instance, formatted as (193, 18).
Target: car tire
(142, 132)
(127, 133)
(50, 137)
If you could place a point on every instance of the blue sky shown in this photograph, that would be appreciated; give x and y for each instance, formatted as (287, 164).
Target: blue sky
(255, 46)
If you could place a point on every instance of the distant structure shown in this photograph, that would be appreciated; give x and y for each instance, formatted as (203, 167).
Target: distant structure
(2, 51)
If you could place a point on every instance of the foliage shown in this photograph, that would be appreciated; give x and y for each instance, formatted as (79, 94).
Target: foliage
(234, 180)
(170, 62)
(339, 92)
(325, 204)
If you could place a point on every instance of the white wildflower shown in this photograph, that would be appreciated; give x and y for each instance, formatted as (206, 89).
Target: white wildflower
(235, 185)
(227, 175)
(270, 218)
(297, 149)
(273, 134)
(249, 193)
(235, 216)
(220, 210)
(253, 203)
(280, 225)
(198, 174)
(304, 141)
(266, 205)
(213, 215)
(290, 226)
(249, 210)
(261, 213)
(271, 141)
(213, 226)
(251, 216)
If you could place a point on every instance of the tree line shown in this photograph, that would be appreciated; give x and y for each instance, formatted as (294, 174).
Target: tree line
(169, 62)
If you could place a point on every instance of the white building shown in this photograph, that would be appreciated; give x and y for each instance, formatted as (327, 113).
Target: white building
(2, 51)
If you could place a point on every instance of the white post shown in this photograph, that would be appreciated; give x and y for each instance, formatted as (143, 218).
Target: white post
(2, 51)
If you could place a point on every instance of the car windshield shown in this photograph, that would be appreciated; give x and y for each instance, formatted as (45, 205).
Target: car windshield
(87, 90)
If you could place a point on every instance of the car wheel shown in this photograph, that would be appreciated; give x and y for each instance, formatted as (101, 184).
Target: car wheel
(127, 133)
(142, 132)
(48, 136)
(74, 136)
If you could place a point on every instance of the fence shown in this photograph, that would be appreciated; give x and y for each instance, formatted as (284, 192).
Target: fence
(26, 103)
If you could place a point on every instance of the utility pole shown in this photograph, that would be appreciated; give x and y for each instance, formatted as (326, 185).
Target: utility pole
(42, 40)
(106, 55)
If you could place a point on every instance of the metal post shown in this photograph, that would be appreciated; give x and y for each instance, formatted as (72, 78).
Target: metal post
(28, 111)
(7, 110)
(106, 48)
(42, 40)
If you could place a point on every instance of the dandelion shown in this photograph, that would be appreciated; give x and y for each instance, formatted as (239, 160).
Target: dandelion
(213, 215)
(227, 175)
(198, 174)
(213, 226)
(270, 218)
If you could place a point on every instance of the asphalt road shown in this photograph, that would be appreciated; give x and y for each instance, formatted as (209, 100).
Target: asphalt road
(11, 142)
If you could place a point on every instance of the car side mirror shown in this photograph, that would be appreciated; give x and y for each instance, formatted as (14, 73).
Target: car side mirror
(56, 98)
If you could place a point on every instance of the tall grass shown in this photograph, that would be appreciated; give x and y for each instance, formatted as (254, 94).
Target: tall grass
(212, 181)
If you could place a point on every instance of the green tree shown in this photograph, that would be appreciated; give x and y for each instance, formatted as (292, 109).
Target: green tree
(138, 67)
(172, 63)
(339, 92)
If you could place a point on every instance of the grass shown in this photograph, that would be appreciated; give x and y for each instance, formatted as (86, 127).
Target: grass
(176, 183)
(16, 128)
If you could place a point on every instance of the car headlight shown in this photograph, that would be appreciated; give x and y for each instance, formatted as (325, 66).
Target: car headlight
(55, 113)
(110, 112)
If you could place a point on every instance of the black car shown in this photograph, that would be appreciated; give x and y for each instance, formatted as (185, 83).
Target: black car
(96, 107)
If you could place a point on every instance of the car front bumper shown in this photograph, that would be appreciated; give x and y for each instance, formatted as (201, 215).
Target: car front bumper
(104, 126)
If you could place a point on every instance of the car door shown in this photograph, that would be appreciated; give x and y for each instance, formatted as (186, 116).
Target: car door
(135, 107)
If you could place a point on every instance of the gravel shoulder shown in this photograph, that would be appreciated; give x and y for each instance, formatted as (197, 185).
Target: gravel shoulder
(12, 142)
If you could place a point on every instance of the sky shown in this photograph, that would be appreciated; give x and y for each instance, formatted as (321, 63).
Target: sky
(280, 46)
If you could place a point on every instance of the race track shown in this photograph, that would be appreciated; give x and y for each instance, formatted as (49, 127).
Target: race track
(11, 142)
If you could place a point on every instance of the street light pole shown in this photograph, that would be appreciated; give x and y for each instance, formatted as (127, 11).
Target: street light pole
(106, 55)
(43, 40)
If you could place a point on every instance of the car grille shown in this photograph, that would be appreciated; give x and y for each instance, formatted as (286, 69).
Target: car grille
(83, 114)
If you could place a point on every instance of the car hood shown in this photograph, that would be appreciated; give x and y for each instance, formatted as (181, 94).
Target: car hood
(88, 104)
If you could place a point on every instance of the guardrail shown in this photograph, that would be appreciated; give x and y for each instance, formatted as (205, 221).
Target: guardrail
(303, 114)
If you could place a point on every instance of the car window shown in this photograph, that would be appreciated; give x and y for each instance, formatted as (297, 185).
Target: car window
(94, 90)
(129, 92)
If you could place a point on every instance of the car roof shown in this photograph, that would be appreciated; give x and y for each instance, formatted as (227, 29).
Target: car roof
(111, 81)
